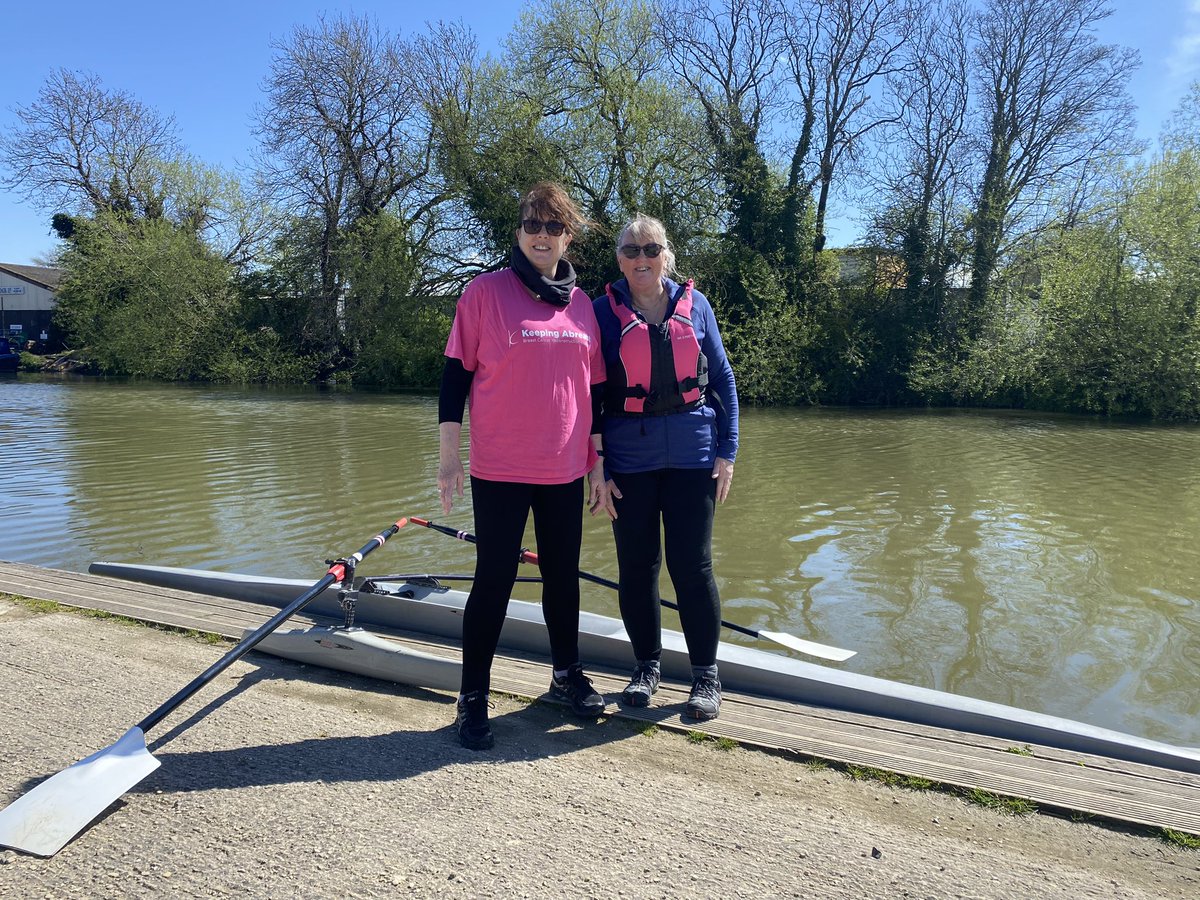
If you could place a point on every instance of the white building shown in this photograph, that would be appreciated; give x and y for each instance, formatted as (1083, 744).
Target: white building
(27, 302)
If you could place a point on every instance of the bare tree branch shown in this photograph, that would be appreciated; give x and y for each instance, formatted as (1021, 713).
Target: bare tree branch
(83, 149)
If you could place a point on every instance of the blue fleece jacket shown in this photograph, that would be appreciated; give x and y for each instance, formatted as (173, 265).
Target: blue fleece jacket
(684, 440)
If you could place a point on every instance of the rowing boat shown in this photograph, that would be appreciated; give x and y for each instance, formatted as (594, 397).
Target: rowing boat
(423, 604)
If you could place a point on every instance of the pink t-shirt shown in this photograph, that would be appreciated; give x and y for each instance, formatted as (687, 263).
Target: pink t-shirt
(534, 365)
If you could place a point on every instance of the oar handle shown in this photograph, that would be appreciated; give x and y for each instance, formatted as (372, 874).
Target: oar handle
(527, 556)
(337, 573)
(444, 529)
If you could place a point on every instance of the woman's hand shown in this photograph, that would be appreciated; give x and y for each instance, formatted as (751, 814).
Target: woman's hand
(600, 491)
(450, 483)
(614, 493)
(723, 473)
(450, 468)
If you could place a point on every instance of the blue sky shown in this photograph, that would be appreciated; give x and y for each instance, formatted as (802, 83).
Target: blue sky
(204, 64)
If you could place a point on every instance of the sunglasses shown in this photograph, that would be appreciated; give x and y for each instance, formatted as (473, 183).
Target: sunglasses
(534, 226)
(633, 251)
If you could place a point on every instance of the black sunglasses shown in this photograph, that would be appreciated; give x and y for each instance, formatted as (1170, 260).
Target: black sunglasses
(633, 251)
(534, 226)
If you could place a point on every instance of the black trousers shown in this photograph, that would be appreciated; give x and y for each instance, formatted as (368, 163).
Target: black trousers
(501, 511)
(682, 500)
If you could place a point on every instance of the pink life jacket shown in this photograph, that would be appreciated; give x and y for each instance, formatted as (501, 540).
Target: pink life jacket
(691, 370)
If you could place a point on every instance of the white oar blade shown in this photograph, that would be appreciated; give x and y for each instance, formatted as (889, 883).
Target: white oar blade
(808, 647)
(43, 820)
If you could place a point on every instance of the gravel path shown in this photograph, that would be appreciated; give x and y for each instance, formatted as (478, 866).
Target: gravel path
(294, 782)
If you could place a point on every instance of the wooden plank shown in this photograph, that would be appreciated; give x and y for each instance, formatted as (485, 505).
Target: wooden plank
(1108, 788)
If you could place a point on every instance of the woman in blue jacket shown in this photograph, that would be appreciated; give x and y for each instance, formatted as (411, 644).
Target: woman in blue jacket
(670, 435)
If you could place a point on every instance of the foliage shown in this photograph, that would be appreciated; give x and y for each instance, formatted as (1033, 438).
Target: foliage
(766, 335)
(1052, 103)
(1121, 333)
(863, 351)
(232, 220)
(488, 146)
(578, 97)
(988, 370)
(260, 357)
(147, 298)
(1180, 839)
(1013, 259)
(1013, 806)
(1099, 318)
(891, 779)
(398, 336)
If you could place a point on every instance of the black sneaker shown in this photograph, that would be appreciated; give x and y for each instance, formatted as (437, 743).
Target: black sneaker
(472, 726)
(576, 688)
(642, 685)
(705, 699)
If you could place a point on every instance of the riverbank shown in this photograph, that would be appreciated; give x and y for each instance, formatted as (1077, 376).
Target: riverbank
(300, 782)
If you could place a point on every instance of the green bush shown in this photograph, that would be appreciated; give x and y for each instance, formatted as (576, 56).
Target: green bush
(261, 357)
(145, 297)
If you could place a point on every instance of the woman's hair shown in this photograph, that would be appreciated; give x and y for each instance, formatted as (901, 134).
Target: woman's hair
(550, 202)
(643, 229)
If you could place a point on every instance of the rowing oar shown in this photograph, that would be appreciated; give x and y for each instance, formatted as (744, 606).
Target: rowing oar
(811, 648)
(43, 820)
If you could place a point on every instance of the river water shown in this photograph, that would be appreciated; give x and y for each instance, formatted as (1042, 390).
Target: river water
(1048, 562)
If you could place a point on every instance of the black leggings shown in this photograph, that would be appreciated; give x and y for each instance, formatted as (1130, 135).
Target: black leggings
(683, 499)
(501, 511)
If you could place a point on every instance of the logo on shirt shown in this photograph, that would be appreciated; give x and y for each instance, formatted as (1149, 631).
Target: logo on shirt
(553, 335)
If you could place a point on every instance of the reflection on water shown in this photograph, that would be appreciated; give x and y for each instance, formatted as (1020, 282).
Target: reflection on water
(1043, 561)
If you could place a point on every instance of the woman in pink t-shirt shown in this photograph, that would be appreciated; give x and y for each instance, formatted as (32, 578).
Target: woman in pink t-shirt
(525, 348)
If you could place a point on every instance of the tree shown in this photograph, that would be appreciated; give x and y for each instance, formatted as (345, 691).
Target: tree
(923, 166)
(283, 292)
(1182, 130)
(765, 287)
(342, 138)
(214, 205)
(487, 147)
(145, 298)
(1053, 99)
(398, 335)
(728, 56)
(627, 140)
(83, 149)
(840, 51)
(1116, 315)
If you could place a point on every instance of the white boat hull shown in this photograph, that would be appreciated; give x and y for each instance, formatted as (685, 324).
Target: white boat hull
(363, 653)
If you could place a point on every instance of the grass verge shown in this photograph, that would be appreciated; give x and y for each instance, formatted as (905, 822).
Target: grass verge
(1180, 839)
(43, 607)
